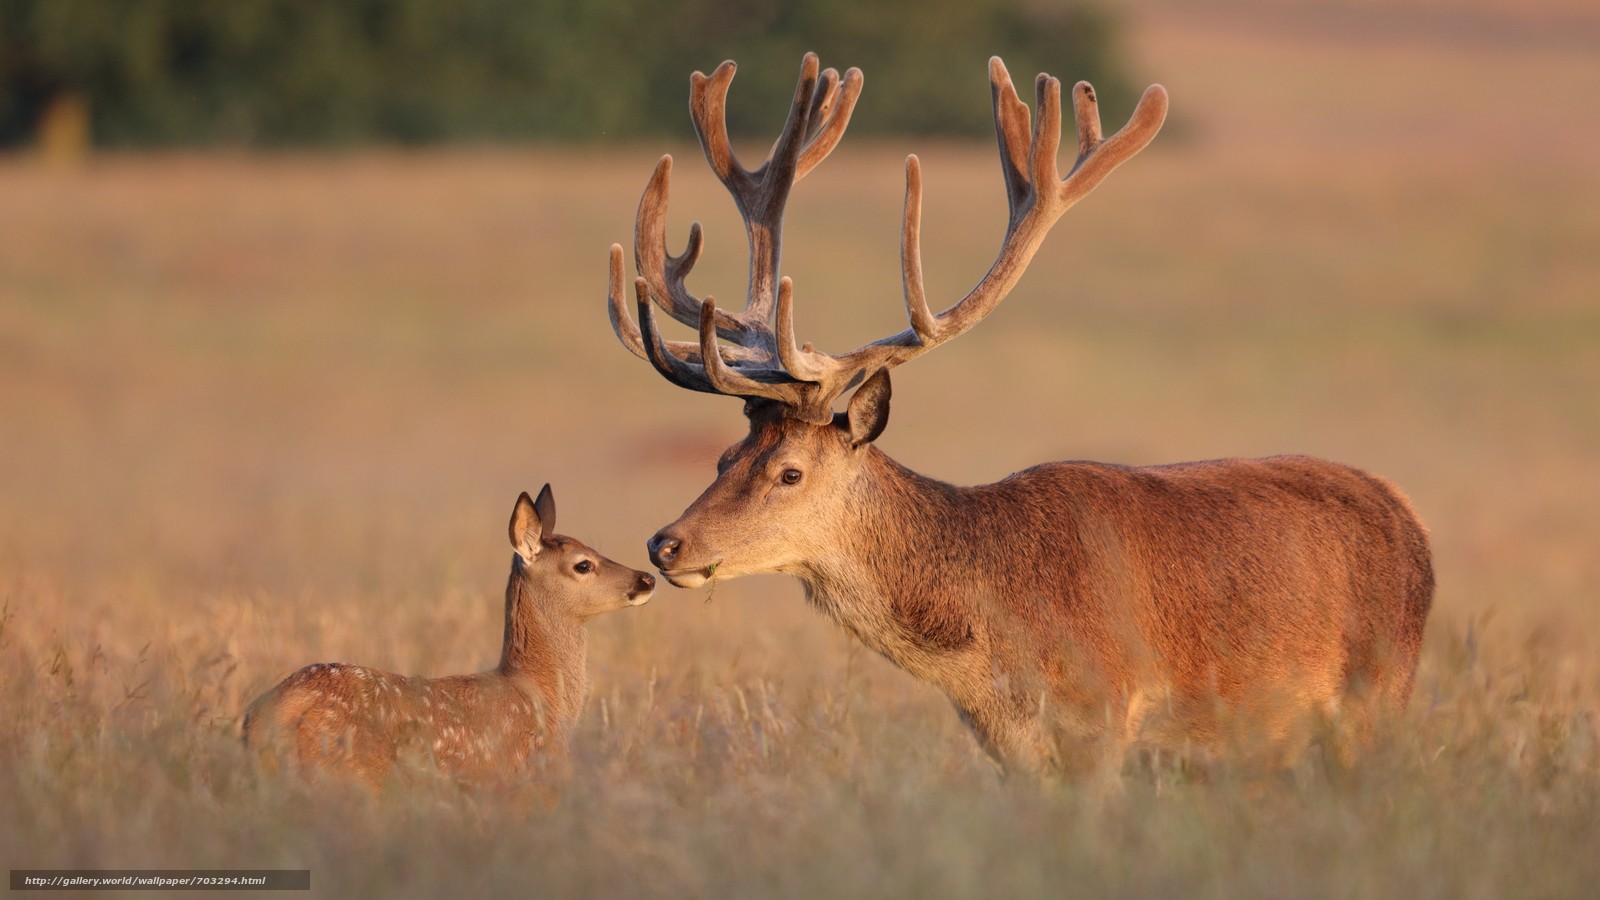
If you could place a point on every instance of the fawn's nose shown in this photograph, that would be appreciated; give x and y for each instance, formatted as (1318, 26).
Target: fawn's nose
(664, 549)
(644, 583)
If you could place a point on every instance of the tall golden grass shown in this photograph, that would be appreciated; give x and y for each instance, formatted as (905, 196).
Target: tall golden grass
(257, 412)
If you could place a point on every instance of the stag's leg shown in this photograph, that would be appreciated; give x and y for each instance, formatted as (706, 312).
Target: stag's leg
(1043, 747)
(1376, 689)
(1018, 746)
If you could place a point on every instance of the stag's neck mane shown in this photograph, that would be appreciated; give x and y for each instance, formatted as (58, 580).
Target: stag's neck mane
(909, 576)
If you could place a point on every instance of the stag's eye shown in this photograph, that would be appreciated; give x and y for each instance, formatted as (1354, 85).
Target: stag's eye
(791, 476)
(583, 567)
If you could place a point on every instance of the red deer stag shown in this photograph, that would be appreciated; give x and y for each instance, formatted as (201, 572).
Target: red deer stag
(357, 721)
(1073, 608)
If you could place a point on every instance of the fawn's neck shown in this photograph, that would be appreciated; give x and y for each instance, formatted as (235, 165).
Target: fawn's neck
(543, 647)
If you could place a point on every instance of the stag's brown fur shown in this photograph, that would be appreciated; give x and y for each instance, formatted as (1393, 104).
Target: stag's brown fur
(357, 721)
(1077, 607)
(1073, 608)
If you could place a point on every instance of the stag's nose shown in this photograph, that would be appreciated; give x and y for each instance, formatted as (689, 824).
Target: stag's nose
(664, 549)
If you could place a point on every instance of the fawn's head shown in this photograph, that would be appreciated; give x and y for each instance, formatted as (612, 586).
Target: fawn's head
(564, 574)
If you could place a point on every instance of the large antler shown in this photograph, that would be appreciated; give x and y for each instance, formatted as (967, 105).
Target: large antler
(764, 361)
(817, 119)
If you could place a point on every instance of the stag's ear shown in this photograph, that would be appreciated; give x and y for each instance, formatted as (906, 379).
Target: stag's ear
(525, 528)
(868, 412)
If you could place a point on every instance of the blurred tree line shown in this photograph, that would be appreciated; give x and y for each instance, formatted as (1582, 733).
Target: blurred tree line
(288, 72)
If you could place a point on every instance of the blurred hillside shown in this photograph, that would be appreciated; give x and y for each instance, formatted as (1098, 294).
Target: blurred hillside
(277, 72)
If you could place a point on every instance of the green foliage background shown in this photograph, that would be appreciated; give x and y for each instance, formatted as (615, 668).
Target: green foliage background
(293, 72)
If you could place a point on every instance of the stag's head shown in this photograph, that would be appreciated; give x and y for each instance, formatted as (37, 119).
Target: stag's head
(780, 492)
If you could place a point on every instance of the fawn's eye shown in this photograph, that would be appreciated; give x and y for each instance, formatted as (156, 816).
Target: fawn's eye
(583, 567)
(791, 476)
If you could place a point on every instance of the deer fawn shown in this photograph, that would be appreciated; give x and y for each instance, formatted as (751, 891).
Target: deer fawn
(1074, 608)
(357, 721)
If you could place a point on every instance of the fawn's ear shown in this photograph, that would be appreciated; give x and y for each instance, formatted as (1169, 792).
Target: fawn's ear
(525, 527)
(545, 506)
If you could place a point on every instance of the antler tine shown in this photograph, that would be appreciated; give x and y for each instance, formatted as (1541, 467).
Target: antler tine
(829, 119)
(1096, 158)
(822, 100)
(922, 320)
(621, 322)
(678, 267)
(778, 172)
(788, 354)
(1046, 136)
(675, 369)
(665, 271)
(1012, 129)
(650, 255)
(708, 101)
(802, 363)
(1087, 111)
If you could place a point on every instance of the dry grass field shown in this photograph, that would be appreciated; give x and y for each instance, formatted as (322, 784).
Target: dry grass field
(257, 412)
